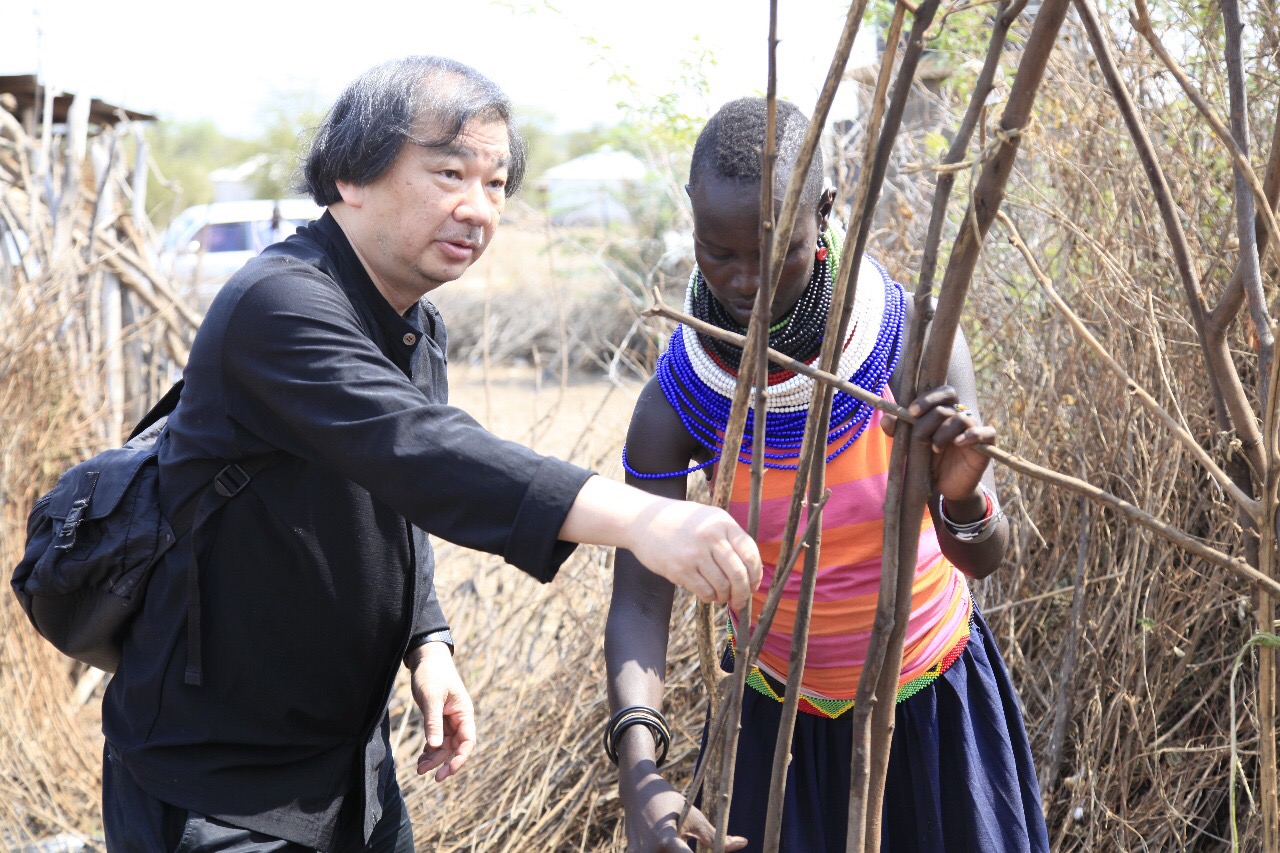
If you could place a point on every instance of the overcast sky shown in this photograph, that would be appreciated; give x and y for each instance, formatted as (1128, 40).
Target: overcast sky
(223, 60)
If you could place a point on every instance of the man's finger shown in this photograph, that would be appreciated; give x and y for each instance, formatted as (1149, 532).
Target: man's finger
(430, 759)
(718, 573)
(454, 764)
(695, 583)
(735, 575)
(463, 741)
(749, 554)
(433, 718)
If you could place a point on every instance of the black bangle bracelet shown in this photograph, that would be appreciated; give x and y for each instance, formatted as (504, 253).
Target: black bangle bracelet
(637, 715)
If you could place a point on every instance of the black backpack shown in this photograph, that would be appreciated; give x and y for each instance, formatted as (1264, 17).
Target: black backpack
(94, 540)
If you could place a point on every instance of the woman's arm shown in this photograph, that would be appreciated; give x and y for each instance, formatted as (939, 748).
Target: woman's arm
(636, 639)
(949, 418)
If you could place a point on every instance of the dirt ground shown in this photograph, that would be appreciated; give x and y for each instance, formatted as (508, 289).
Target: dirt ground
(583, 420)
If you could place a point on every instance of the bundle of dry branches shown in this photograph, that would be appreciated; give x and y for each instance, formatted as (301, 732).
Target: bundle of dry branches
(87, 335)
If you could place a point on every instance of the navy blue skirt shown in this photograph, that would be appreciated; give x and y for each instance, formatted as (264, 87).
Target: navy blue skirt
(960, 773)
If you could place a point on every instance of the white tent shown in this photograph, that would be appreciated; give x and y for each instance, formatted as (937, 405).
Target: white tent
(591, 189)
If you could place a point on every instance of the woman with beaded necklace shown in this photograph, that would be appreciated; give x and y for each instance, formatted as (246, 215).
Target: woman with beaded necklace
(960, 775)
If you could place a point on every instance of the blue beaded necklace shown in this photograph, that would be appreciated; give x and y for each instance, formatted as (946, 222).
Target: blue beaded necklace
(704, 411)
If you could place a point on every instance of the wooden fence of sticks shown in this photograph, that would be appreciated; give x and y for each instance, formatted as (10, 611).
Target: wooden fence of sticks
(1255, 471)
(90, 334)
(75, 210)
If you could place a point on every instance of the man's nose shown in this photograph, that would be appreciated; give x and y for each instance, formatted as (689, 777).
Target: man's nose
(475, 207)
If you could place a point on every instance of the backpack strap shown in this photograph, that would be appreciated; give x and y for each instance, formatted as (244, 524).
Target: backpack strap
(228, 483)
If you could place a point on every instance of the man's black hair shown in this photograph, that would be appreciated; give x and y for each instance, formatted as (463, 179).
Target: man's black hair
(730, 145)
(389, 105)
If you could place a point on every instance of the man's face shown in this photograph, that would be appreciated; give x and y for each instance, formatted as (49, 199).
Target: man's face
(433, 212)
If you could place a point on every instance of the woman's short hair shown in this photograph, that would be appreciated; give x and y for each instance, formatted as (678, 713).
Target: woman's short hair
(730, 144)
(391, 104)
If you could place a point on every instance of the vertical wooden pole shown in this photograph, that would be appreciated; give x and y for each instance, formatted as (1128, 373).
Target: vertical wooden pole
(757, 373)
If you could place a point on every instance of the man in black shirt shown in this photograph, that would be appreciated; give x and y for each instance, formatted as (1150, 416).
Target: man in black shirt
(249, 709)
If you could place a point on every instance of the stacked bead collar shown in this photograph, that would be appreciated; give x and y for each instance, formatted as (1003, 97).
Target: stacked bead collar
(699, 382)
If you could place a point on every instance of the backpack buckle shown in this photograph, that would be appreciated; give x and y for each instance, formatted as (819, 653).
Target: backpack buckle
(66, 538)
(230, 481)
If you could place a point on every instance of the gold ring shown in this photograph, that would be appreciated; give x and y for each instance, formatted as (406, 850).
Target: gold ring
(961, 407)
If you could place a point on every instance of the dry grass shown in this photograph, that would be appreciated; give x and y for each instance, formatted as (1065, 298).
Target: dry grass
(50, 747)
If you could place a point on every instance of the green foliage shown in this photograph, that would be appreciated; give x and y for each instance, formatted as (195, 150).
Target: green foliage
(668, 120)
(287, 121)
(935, 145)
(185, 154)
(962, 35)
(958, 38)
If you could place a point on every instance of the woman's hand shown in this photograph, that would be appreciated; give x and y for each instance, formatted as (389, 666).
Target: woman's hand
(653, 807)
(955, 433)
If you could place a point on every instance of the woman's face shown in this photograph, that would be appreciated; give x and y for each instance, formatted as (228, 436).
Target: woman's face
(726, 245)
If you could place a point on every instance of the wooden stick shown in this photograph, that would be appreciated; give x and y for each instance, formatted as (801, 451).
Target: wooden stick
(1250, 196)
(782, 236)
(1166, 531)
(754, 645)
(866, 196)
(1246, 184)
(1269, 794)
(757, 373)
(1062, 703)
(1265, 613)
(1231, 404)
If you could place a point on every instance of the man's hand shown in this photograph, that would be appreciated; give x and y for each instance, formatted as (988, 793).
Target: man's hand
(698, 547)
(446, 710)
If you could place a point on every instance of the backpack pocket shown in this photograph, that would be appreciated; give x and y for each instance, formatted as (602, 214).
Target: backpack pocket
(92, 544)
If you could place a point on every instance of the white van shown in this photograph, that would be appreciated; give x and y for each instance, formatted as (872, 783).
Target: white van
(205, 244)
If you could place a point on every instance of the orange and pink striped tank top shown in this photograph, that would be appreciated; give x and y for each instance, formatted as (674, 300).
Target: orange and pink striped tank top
(848, 582)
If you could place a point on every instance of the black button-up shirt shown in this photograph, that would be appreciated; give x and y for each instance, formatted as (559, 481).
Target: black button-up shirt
(316, 575)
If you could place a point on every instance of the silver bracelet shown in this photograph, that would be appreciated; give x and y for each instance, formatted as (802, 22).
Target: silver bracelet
(973, 532)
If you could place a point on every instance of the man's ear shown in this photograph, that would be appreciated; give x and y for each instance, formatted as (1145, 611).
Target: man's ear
(826, 201)
(688, 190)
(352, 194)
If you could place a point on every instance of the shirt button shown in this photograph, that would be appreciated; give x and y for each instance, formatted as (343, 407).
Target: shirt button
(409, 339)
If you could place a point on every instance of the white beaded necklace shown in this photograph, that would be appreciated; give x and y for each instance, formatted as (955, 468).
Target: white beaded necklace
(795, 393)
